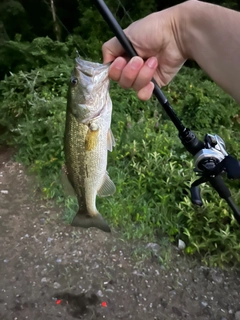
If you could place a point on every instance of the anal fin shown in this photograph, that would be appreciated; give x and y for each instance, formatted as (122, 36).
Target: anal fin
(108, 187)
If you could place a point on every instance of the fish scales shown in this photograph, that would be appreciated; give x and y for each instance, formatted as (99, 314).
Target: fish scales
(87, 140)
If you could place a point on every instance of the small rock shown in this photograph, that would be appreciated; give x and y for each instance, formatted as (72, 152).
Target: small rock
(216, 278)
(154, 247)
(181, 244)
(42, 221)
(204, 303)
(172, 293)
(56, 285)
(59, 260)
(4, 191)
(44, 279)
(237, 315)
(99, 293)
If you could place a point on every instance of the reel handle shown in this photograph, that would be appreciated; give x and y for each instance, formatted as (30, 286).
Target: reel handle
(223, 191)
(218, 184)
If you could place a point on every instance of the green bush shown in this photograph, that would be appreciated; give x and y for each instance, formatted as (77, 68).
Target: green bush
(150, 167)
(200, 103)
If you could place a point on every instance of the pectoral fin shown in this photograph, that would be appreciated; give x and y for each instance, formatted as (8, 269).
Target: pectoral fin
(110, 140)
(108, 187)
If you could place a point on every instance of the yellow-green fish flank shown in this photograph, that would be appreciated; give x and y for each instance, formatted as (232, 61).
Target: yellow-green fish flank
(87, 139)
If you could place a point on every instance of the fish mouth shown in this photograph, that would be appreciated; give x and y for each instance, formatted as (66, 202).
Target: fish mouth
(91, 69)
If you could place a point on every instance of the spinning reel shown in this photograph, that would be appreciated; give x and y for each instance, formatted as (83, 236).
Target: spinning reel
(211, 159)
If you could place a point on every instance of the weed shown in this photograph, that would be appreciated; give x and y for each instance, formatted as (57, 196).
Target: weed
(151, 169)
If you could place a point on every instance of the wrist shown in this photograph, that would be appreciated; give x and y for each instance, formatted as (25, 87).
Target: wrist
(194, 24)
(188, 23)
(182, 27)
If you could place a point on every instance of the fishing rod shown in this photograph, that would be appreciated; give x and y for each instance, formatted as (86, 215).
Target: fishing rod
(210, 156)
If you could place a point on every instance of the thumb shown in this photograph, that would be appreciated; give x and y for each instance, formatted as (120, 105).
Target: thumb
(111, 50)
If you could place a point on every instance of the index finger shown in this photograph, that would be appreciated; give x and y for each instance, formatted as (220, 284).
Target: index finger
(111, 50)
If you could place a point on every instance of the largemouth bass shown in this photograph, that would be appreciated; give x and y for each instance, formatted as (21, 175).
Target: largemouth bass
(87, 140)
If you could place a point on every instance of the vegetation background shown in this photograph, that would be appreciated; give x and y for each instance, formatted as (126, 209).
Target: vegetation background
(151, 169)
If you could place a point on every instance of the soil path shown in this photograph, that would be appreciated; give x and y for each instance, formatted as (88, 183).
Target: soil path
(51, 271)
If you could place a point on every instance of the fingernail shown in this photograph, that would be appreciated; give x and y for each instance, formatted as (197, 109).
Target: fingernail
(135, 63)
(146, 93)
(152, 63)
(119, 63)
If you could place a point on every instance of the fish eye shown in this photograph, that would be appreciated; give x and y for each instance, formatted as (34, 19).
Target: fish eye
(74, 81)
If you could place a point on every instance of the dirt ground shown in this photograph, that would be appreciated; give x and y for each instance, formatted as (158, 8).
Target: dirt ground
(49, 270)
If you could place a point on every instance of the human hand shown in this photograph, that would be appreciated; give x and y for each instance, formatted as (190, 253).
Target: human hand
(206, 33)
(157, 40)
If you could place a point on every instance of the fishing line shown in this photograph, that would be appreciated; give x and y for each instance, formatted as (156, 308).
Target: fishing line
(79, 49)
(69, 33)
(125, 11)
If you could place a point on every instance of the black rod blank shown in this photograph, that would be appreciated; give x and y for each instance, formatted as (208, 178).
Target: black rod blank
(126, 44)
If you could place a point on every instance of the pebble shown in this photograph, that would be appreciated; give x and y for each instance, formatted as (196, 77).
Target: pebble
(181, 244)
(204, 303)
(4, 191)
(56, 285)
(154, 247)
(109, 290)
(216, 278)
(42, 221)
(172, 293)
(99, 293)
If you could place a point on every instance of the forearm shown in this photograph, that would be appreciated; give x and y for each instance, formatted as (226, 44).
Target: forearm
(211, 37)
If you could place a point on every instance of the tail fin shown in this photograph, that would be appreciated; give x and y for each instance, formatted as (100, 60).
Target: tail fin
(84, 220)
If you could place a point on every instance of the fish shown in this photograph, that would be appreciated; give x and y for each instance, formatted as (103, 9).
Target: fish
(87, 140)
